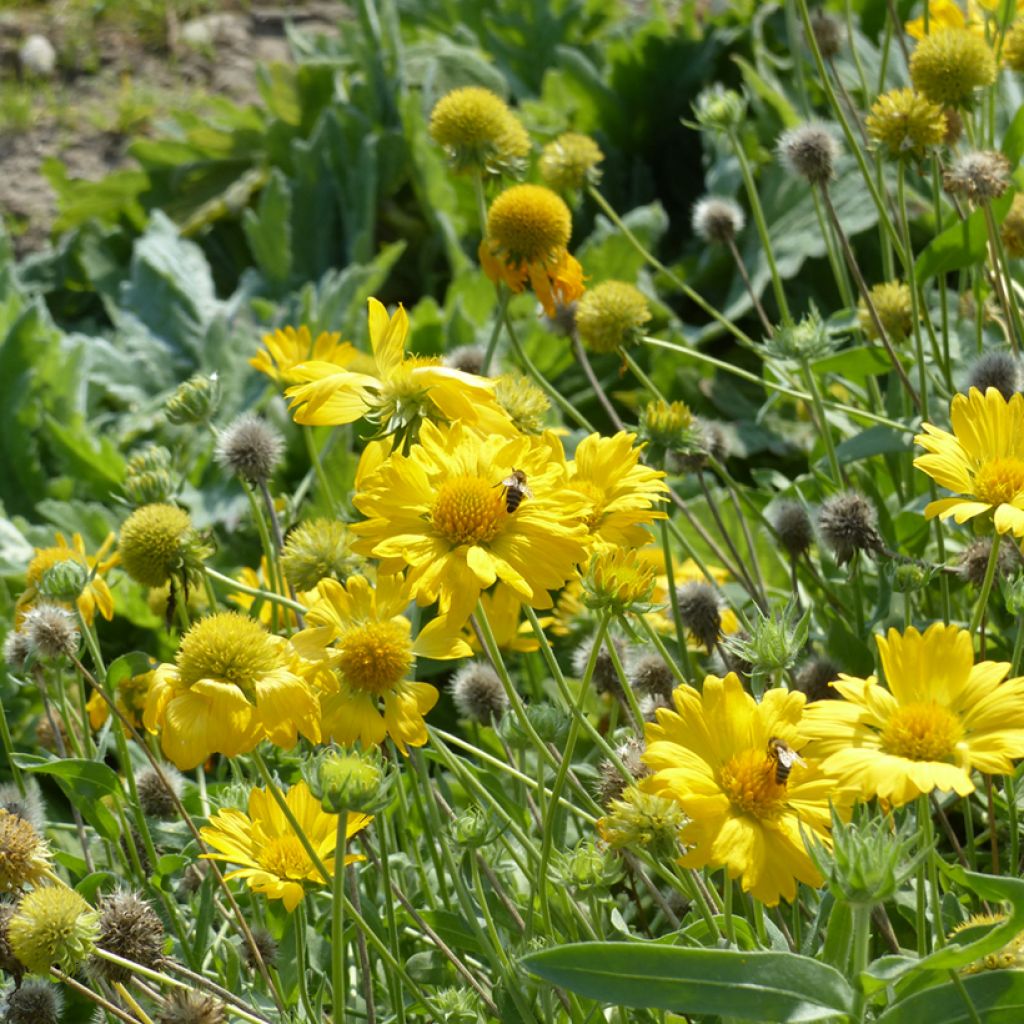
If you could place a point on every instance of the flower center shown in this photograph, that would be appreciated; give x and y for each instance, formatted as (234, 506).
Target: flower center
(529, 222)
(229, 647)
(376, 656)
(284, 857)
(922, 732)
(999, 481)
(748, 780)
(596, 497)
(468, 510)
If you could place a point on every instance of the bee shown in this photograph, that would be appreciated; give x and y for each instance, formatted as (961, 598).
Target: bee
(784, 757)
(515, 490)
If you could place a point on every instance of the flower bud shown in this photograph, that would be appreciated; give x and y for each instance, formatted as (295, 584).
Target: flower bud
(611, 316)
(64, 581)
(473, 828)
(719, 109)
(644, 821)
(775, 640)
(801, 342)
(350, 780)
(570, 162)
(586, 868)
(52, 925)
(195, 402)
(148, 476)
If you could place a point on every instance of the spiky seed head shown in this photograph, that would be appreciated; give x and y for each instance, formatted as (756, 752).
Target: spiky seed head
(34, 1002)
(847, 524)
(999, 370)
(154, 798)
(610, 782)
(467, 358)
(187, 1006)
(478, 693)
(317, 550)
(266, 944)
(571, 162)
(973, 562)
(251, 448)
(649, 674)
(51, 631)
(701, 611)
(27, 805)
(810, 151)
(828, 33)
(814, 675)
(129, 928)
(17, 649)
(979, 176)
(605, 678)
(717, 219)
(8, 961)
(793, 525)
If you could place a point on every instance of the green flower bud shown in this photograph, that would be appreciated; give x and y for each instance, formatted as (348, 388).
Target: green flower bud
(473, 828)
(195, 402)
(64, 581)
(719, 109)
(587, 868)
(801, 342)
(774, 641)
(350, 780)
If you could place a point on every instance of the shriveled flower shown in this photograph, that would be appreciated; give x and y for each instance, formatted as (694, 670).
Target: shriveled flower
(973, 562)
(570, 162)
(52, 925)
(611, 316)
(232, 685)
(717, 219)
(979, 176)
(250, 448)
(894, 305)
(999, 370)
(288, 347)
(618, 580)
(906, 123)
(1011, 231)
(317, 550)
(949, 65)
(941, 717)
(444, 511)
(712, 754)
(982, 460)
(622, 494)
(94, 597)
(157, 792)
(51, 631)
(24, 856)
(810, 151)
(610, 780)
(528, 229)
(523, 402)
(398, 394)
(848, 524)
(650, 675)
(479, 132)
(793, 526)
(130, 928)
(478, 693)
(158, 543)
(365, 650)
(467, 358)
(190, 1006)
(272, 858)
(643, 820)
(700, 611)
(17, 650)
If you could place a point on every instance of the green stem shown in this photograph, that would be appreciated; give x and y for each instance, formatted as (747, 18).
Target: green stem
(986, 585)
(819, 415)
(338, 984)
(860, 914)
(499, 318)
(318, 468)
(266, 595)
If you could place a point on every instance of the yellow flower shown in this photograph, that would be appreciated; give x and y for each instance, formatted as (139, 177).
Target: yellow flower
(398, 394)
(528, 229)
(570, 162)
(947, 14)
(894, 305)
(269, 612)
(711, 755)
(443, 510)
(364, 646)
(95, 596)
(24, 855)
(906, 124)
(272, 857)
(949, 65)
(621, 492)
(982, 459)
(287, 347)
(232, 686)
(618, 579)
(941, 717)
(130, 697)
(478, 132)
(504, 611)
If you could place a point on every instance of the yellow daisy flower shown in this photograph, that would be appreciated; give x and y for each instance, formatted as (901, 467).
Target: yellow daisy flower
(947, 14)
(400, 391)
(941, 717)
(622, 493)
(362, 644)
(273, 859)
(712, 755)
(232, 685)
(528, 229)
(95, 596)
(443, 510)
(983, 459)
(287, 347)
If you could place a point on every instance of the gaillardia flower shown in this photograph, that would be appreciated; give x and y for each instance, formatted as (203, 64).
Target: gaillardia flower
(941, 717)
(570, 162)
(273, 859)
(714, 755)
(287, 347)
(906, 124)
(444, 511)
(232, 685)
(983, 459)
(479, 132)
(949, 65)
(358, 634)
(399, 394)
(528, 229)
(94, 597)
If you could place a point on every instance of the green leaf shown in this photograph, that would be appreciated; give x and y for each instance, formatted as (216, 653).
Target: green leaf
(961, 245)
(93, 460)
(454, 930)
(859, 361)
(996, 997)
(268, 229)
(1013, 140)
(873, 441)
(88, 780)
(781, 987)
(769, 92)
(136, 663)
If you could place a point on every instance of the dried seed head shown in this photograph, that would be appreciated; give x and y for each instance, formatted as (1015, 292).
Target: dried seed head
(649, 675)
(716, 219)
(8, 961)
(610, 782)
(605, 678)
(998, 370)
(828, 33)
(467, 358)
(266, 944)
(973, 562)
(810, 151)
(814, 675)
(650, 705)
(129, 928)
(793, 525)
(251, 448)
(185, 1006)
(478, 693)
(27, 805)
(34, 1002)
(700, 611)
(979, 176)
(154, 798)
(17, 650)
(847, 525)
(51, 631)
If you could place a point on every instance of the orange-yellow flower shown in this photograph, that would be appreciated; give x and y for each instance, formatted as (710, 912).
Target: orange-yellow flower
(287, 347)
(95, 596)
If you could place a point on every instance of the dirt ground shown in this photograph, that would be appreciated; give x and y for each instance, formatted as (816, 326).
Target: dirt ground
(113, 80)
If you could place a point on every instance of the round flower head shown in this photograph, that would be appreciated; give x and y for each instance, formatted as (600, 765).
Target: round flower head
(129, 928)
(478, 132)
(51, 631)
(478, 693)
(650, 675)
(949, 65)
(812, 678)
(642, 820)
(94, 597)
(360, 635)
(618, 580)
(941, 717)
(34, 1002)
(894, 305)
(998, 370)
(231, 686)
(611, 316)
(810, 151)
(155, 799)
(523, 402)
(52, 925)
(17, 650)
(528, 229)
(983, 460)
(149, 476)
(1012, 229)
(188, 1006)
(667, 425)
(847, 523)
(24, 857)
(444, 510)
(828, 33)
(272, 858)
(318, 550)
(973, 562)
(287, 347)
(712, 754)
(622, 493)
(715, 219)
(194, 402)
(700, 611)
(570, 162)
(157, 542)
(250, 447)
(793, 526)
(906, 123)
(978, 176)
(1013, 47)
